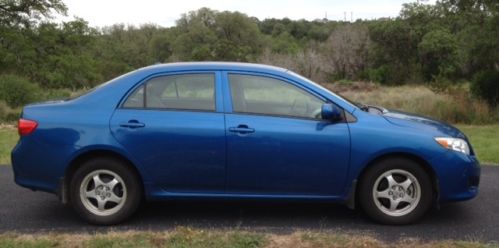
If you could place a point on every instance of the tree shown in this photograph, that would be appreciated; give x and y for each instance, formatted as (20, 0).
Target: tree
(439, 55)
(17, 91)
(486, 86)
(25, 12)
(211, 35)
(451, 40)
(347, 49)
(238, 37)
(196, 35)
(308, 62)
(393, 51)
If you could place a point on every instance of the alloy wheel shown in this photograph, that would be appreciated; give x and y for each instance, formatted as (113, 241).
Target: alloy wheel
(103, 192)
(396, 192)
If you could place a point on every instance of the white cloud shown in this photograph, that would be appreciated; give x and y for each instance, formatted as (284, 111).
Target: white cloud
(164, 13)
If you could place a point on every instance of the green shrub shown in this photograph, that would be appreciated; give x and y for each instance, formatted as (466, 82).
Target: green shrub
(7, 114)
(4, 110)
(440, 84)
(17, 91)
(379, 75)
(486, 86)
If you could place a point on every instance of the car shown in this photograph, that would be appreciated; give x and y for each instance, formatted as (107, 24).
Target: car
(241, 131)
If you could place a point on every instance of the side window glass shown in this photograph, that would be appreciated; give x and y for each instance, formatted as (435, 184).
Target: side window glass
(184, 92)
(136, 99)
(269, 96)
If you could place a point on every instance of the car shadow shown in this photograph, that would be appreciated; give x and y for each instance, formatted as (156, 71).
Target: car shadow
(49, 215)
(35, 212)
(285, 217)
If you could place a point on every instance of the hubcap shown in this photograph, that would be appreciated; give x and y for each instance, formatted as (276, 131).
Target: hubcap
(103, 192)
(396, 192)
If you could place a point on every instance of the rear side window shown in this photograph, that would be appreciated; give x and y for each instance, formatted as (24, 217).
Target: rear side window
(187, 92)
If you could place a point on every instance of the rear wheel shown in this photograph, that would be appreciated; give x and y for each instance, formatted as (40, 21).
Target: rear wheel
(395, 191)
(104, 191)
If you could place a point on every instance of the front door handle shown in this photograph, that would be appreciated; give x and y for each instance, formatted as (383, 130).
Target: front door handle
(243, 129)
(132, 124)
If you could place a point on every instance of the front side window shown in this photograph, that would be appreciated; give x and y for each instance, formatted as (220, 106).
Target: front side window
(269, 96)
(188, 92)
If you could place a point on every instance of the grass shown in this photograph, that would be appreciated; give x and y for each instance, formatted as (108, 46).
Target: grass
(8, 139)
(187, 237)
(484, 140)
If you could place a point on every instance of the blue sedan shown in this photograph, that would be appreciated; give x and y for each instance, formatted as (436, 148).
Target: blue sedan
(237, 131)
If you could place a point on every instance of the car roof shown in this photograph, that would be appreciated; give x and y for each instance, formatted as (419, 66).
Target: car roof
(215, 66)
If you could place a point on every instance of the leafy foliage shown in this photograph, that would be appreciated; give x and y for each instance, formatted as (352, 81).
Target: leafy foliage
(26, 12)
(17, 91)
(485, 86)
(438, 51)
(210, 35)
(442, 43)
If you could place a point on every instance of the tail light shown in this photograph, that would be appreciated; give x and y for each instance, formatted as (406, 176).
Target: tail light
(25, 127)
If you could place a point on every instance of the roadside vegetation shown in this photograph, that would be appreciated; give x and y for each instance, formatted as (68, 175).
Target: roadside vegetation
(439, 60)
(8, 139)
(454, 105)
(450, 46)
(186, 237)
(484, 140)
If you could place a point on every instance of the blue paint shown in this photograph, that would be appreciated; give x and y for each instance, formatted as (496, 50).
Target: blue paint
(223, 154)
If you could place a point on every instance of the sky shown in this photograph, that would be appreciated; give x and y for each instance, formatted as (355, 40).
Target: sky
(101, 13)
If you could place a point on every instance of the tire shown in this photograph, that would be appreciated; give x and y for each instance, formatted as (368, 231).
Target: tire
(403, 200)
(104, 191)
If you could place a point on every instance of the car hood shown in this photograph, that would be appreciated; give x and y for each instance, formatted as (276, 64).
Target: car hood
(404, 119)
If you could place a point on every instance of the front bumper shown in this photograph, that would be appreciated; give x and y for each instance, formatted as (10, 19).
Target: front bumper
(458, 176)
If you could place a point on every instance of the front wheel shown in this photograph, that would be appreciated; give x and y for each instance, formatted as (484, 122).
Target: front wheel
(395, 191)
(104, 191)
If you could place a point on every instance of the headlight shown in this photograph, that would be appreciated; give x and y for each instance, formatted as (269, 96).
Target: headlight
(455, 144)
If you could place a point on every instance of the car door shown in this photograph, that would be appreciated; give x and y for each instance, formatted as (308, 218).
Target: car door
(174, 126)
(277, 144)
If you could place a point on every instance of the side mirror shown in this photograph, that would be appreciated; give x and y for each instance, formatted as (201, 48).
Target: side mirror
(331, 112)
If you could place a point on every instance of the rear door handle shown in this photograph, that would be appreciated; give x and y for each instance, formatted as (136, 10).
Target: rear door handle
(132, 124)
(243, 129)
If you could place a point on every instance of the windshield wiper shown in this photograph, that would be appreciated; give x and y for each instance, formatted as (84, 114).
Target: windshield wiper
(363, 107)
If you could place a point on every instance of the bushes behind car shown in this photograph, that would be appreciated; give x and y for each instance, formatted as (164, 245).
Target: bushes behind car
(486, 86)
(17, 91)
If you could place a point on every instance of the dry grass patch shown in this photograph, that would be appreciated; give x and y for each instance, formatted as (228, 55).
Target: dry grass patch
(453, 106)
(188, 237)
(308, 239)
